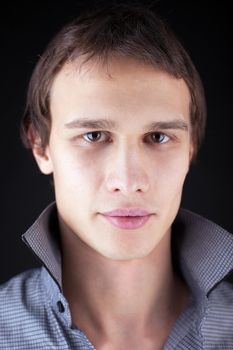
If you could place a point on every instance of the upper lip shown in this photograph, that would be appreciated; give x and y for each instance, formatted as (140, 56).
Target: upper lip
(127, 212)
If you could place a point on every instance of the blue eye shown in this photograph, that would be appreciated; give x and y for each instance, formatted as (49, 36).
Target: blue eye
(93, 136)
(158, 137)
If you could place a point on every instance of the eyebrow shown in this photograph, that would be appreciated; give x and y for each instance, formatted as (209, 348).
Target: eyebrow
(91, 124)
(87, 123)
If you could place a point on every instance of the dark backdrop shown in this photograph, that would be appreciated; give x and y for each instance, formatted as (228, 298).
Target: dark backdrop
(25, 30)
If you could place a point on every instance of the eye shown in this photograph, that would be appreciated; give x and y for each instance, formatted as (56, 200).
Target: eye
(159, 137)
(95, 136)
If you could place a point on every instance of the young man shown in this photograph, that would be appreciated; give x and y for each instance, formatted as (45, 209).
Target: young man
(116, 113)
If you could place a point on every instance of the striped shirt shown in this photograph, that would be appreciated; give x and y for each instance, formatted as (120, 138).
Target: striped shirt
(34, 314)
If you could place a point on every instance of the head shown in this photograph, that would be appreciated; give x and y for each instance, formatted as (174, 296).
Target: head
(116, 112)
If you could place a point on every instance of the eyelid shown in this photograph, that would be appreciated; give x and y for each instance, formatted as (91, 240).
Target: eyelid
(93, 131)
(165, 134)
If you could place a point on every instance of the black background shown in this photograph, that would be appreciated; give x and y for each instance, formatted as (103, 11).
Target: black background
(26, 28)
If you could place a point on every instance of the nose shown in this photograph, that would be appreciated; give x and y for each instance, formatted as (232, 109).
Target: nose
(127, 172)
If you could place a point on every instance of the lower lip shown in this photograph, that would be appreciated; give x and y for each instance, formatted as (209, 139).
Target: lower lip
(128, 222)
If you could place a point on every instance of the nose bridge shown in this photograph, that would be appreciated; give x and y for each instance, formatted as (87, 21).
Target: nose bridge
(128, 172)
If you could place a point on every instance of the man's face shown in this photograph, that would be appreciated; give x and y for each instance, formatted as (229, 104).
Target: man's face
(119, 141)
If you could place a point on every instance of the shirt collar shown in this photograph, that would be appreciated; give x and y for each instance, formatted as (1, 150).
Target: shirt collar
(201, 249)
(43, 239)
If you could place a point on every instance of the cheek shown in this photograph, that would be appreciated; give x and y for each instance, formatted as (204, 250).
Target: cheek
(173, 171)
(169, 189)
(75, 171)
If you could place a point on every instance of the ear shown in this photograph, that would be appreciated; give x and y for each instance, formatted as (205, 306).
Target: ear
(191, 152)
(41, 155)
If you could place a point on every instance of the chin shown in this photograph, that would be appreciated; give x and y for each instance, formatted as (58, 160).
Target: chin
(125, 255)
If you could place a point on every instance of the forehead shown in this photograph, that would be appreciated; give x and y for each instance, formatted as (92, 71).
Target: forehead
(123, 87)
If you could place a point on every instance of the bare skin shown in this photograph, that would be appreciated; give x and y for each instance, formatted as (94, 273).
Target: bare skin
(120, 283)
(122, 305)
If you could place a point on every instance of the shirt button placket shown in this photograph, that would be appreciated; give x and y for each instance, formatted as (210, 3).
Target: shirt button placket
(60, 306)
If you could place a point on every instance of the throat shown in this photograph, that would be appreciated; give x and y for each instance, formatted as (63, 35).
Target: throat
(127, 328)
(116, 300)
(126, 304)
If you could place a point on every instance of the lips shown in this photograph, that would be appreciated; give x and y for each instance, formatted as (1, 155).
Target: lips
(127, 218)
(127, 212)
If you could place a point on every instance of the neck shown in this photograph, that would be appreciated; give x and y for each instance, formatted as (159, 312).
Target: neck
(120, 297)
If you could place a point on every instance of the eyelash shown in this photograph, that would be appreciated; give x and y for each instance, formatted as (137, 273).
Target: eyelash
(157, 133)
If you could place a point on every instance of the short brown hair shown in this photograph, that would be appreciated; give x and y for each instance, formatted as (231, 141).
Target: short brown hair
(117, 30)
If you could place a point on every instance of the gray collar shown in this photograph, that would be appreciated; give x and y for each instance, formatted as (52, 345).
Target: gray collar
(43, 239)
(202, 250)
